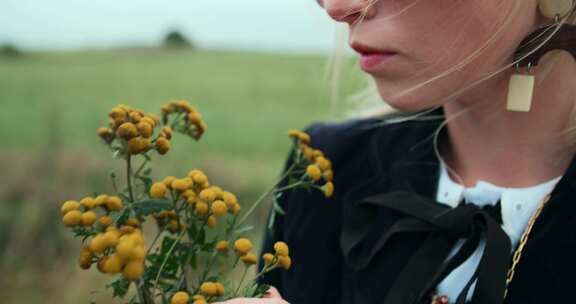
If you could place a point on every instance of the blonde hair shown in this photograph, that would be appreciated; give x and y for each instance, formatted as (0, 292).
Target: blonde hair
(369, 103)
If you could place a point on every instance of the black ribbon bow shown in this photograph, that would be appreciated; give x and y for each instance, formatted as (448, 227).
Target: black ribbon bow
(427, 267)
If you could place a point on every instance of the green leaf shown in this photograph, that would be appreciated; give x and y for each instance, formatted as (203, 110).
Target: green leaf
(120, 287)
(150, 206)
(193, 260)
(192, 230)
(278, 209)
(241, 230)
(146, 181)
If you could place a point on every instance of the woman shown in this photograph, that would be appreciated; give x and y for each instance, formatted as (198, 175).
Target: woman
(468, 201)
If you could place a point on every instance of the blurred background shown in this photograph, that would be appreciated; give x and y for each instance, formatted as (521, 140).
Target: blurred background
(253, 68)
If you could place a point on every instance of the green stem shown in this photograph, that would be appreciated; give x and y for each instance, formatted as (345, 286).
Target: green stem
(142, 166)
(294, 185)
(264, 195)
(166, 259)
(241, 280)
(154, 241)
(210, 264)
(143, 294)
(129, 177)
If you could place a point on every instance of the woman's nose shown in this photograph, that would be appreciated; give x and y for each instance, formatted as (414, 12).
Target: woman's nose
(348, 10)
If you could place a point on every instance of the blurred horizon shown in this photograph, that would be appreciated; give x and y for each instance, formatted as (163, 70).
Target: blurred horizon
(295, 26)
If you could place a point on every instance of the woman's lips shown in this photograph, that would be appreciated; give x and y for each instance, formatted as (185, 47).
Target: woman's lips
(370, 61)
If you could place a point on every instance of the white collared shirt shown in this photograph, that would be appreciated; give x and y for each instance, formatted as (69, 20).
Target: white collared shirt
(517, 204)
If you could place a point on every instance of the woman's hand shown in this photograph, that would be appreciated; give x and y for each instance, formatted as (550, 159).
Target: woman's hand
(272, 297)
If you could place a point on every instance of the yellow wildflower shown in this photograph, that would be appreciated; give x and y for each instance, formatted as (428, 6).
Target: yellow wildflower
(88, 218)
(299, 135)
(145, 128)
(198, 176)
(149, 120)
(281, 249)
(174, 226)
(328, 189)
(158, 190)
(114, 203)
(134, 222)
(201, 208)
(168, 180)
(219, 289)
(314, 172)
(127, 131)
(207, 195)
(182, 184)
(72, 218)
(162, 145)
(285, 262)
(328, 175)
(222, 246)
(167, 132)
(85, 258)
(219, 208)
(229, 199)
(100, 200)
(133, 270)
(235, 208)
(105, 220)
(135, 117)
(111, 238)
(112, 264)
(323, 163)
(88, 202)
(98, 244)
(106, 134)
(249, 259)
(211, 221)
(180, 297)
(268, 258)
(242, 245)
(209, 288)
(69, 206)
(198, 297)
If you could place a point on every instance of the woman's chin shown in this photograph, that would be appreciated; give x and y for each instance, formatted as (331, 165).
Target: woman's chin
(407, 102)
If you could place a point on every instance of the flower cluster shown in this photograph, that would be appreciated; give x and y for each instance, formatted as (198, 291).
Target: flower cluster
(113, 249)
(319, 168)
(182, 297)
(280, 257)
(85, 212)
(192, 125)
(131, 131)
(179, 264)
(194, 191)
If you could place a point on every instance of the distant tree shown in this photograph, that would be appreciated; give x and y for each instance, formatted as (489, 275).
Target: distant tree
(9, 50)
(176, 40)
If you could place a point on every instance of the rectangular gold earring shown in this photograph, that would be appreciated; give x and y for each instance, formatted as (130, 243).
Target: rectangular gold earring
(520, 91)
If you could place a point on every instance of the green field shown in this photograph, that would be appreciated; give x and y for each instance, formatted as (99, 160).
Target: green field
(52, 103)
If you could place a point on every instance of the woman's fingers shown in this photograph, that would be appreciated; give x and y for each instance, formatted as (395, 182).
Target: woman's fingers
(253, 301)
(272, 296)
(272, 293)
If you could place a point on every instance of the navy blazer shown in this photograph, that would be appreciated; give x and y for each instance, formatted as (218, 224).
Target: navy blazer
(369, 158)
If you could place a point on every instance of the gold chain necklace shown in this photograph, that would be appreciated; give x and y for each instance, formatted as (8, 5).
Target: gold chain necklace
(518, 252)
(438, 299)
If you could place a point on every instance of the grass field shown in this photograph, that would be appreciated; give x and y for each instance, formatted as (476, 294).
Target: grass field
(51, 105)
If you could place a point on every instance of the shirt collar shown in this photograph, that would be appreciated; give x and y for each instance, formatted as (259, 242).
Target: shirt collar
(518, 204)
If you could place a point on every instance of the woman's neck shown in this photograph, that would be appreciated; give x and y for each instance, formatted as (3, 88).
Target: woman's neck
(512, 149)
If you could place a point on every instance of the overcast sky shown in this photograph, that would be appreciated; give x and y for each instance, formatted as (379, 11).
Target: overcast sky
(285, 25)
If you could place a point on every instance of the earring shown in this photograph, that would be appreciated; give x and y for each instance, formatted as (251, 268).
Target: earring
(521, 86)
(520, 90)
(552, 8)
